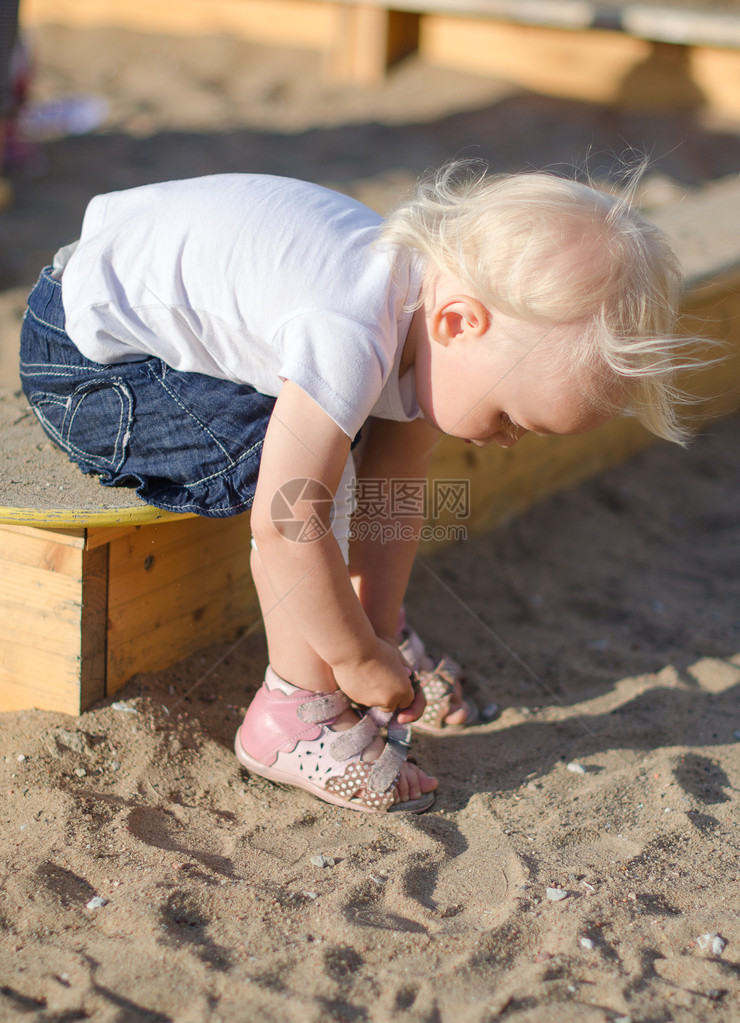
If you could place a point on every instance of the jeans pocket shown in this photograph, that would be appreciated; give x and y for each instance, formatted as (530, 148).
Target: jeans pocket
(93, 424)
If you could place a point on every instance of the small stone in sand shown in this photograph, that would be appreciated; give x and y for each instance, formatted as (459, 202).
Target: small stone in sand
(122, 705)
(575, 768)
(78, 742)
(556, 894)
(711, 942)
(97, 903)
(587, 942)
(323, 861)
(489, 712)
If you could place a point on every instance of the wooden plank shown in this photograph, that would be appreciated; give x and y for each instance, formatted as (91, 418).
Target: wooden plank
(174, 640)
(54, 611)
(158, 557)
(39, 550)
(368, 39)
(280, 22)
(22, 624)
(503, 483)
(358, 51)
(93, 627)
(50, 595)
(71, 537)
(40, 606)
(30, 677)
(18, 694)
(207, 584)
(716, 73)
(195, 590)
(553, 61)
(98, 536)
(403, 35)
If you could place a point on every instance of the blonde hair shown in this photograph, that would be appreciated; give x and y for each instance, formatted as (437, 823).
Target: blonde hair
(545, 248)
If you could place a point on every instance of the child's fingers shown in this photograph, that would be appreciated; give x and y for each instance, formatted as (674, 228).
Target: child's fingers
(415, 709)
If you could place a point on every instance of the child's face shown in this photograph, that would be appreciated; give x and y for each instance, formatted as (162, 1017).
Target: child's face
(501, 383)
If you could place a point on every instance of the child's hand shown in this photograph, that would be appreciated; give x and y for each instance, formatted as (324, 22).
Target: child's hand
(415, 710)
(382, 681)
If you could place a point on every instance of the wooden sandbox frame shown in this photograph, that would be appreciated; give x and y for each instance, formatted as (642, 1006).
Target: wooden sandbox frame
(633, 54)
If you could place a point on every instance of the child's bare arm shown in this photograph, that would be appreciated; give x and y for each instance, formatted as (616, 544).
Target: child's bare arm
(383, 548)
(302, 441)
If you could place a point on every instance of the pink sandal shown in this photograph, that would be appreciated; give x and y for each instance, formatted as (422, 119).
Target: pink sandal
(438, 683)
(286, 737)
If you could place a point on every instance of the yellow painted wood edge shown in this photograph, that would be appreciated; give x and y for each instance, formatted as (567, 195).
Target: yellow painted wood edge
(54, 518)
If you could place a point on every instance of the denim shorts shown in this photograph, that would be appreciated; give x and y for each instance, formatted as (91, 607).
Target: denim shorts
(188, 442)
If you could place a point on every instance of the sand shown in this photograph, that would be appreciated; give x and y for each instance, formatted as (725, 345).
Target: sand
(583, 842)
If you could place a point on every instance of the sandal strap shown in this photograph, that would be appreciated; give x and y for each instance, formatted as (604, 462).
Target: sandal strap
(322, 707)
(438, 686)
(353, 784)
(354, 740)
(385, 770)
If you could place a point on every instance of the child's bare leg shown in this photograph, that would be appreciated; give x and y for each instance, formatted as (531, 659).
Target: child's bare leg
(380, 570)
(294, 660)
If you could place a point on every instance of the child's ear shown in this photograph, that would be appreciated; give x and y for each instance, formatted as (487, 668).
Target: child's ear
(458, 316)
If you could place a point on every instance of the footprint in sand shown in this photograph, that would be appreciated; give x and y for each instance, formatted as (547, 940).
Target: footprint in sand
(448, 877)
(474, 889)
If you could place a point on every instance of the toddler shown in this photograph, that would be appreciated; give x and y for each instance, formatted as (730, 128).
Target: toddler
(226, 342)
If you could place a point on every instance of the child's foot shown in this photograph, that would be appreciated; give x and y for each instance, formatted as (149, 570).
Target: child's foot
(315, 741)
(448, 708)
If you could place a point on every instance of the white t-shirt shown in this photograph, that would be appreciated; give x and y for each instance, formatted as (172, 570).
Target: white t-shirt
(251, 278)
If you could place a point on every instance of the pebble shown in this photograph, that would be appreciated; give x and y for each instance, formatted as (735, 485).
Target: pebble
(80, 772)
(21, 758)
(97, 903)
(587, 942)
(323, 861)
(122, 705)
(712, 942)
(575, 768)
(489, 712)
(556, 894)
(76, 741)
